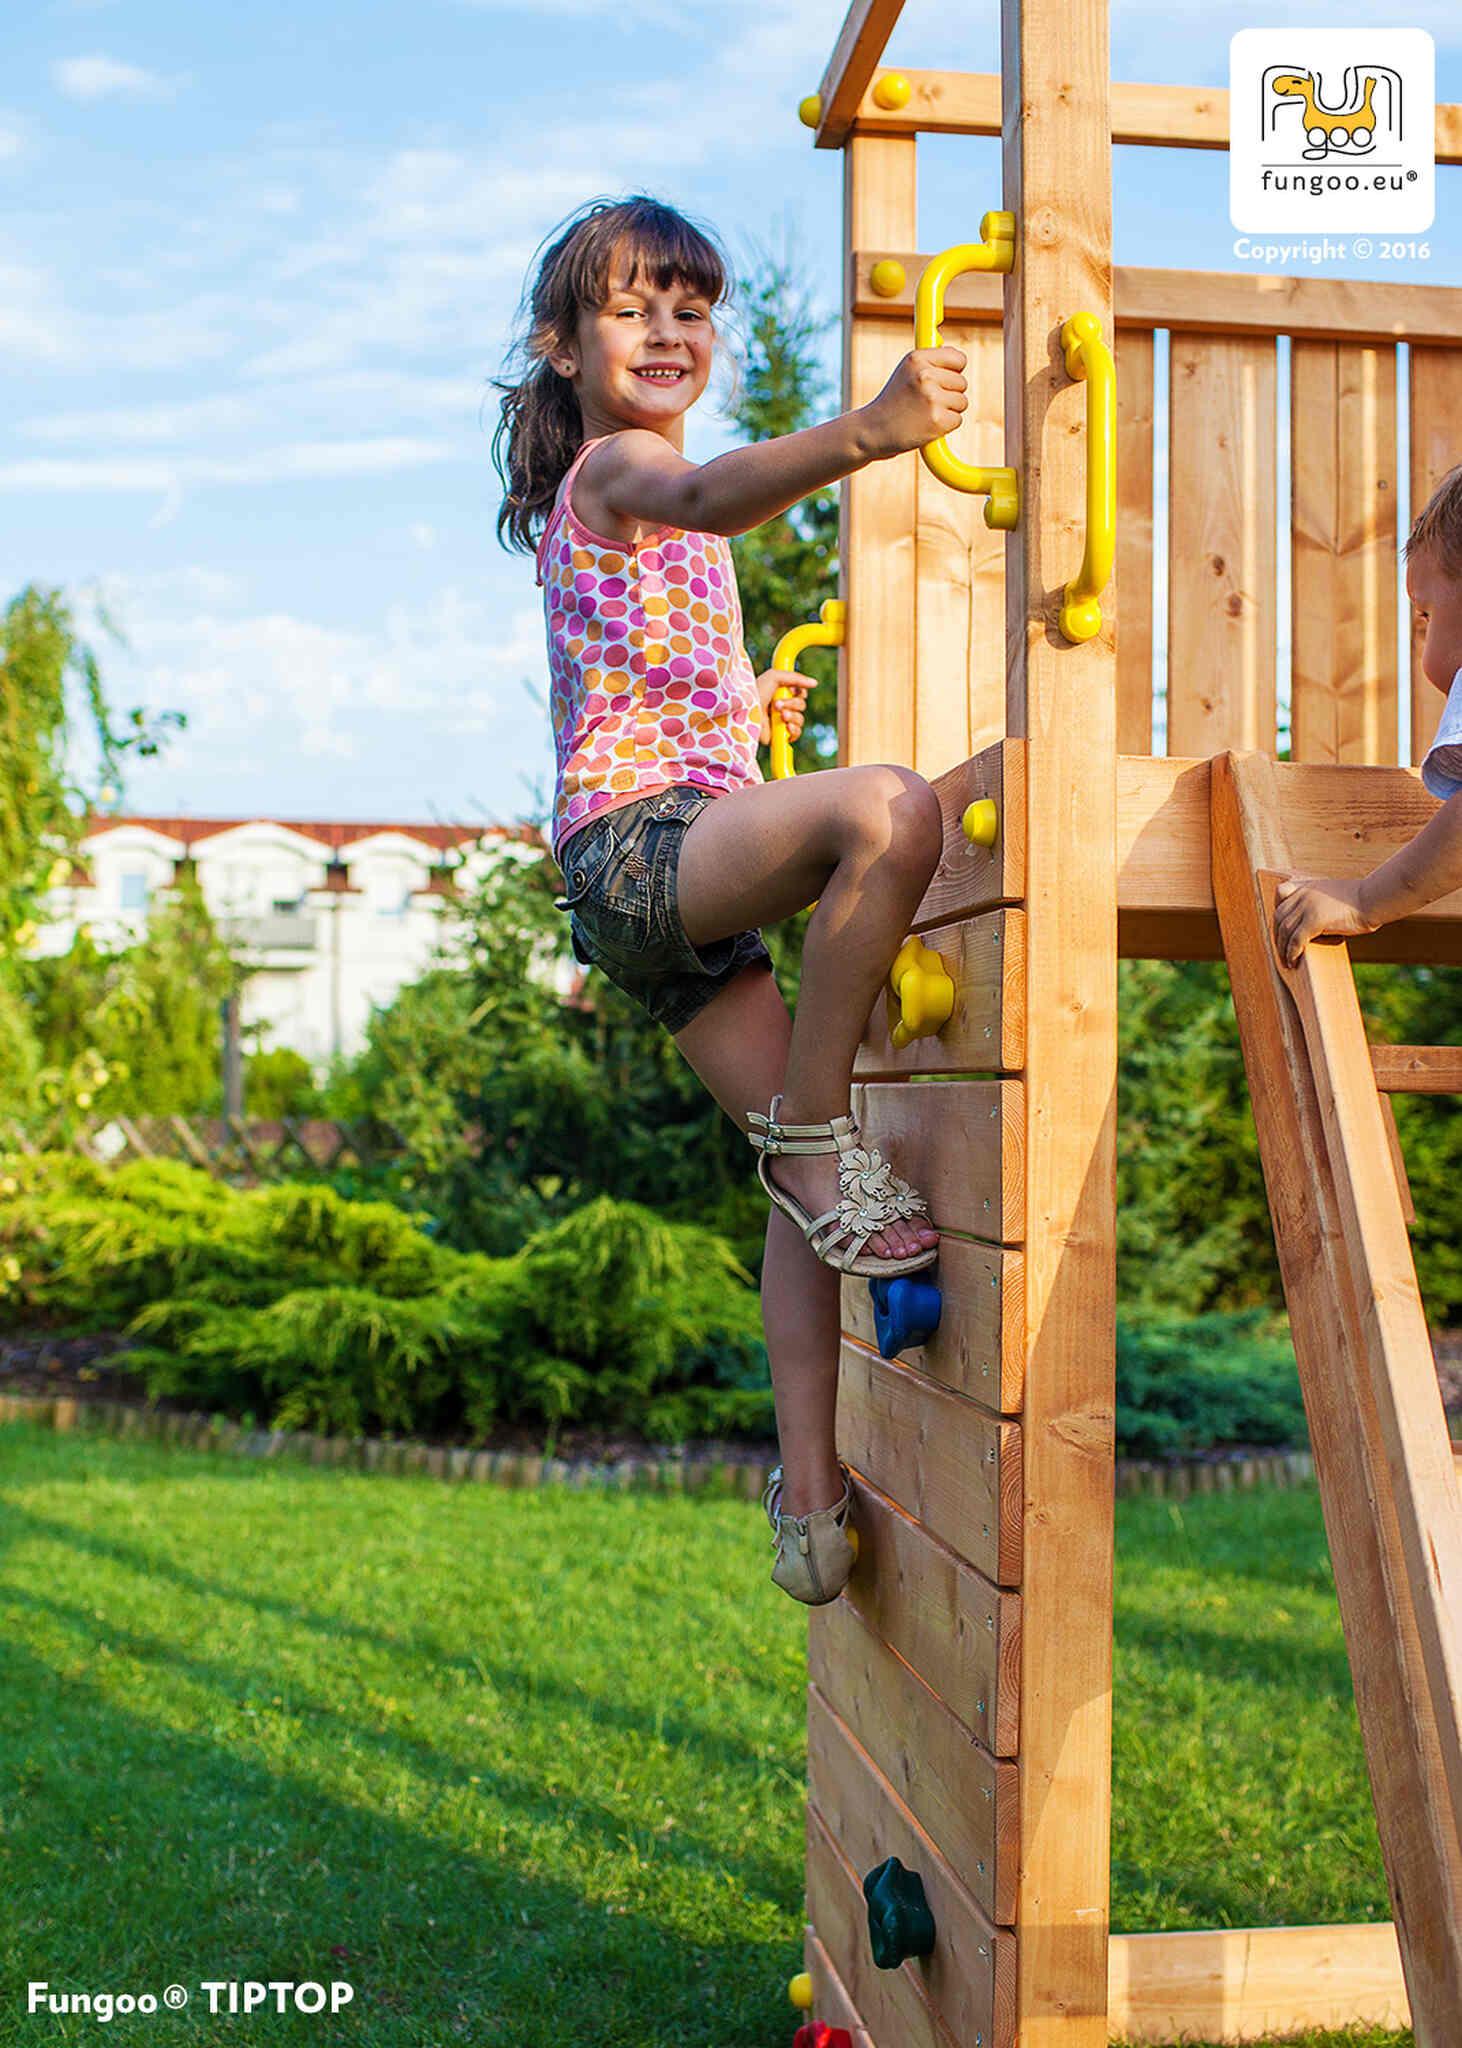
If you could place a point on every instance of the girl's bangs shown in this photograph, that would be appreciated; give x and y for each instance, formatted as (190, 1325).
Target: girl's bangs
(658, 245)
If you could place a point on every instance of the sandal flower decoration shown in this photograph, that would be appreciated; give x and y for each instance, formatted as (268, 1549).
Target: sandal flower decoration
(872, 1194)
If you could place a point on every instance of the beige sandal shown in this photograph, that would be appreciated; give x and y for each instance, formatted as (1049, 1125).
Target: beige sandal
(815, 1552)
(870, 1194)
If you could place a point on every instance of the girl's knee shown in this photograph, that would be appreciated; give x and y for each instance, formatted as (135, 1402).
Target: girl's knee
(902, 815)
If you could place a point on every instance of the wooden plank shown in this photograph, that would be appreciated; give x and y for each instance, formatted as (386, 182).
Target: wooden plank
(1062, 700)
(970, 1976)
(1435, 405)
(1167, 116)
(831, 2003)
(1418, 1069)
(1343, 551)
(1132, 591)
(1236, 302)
(1398, 1162)
(1248, 1983)
(971, 878)
(1329, 1319)
(877, 504)
(965, 1800)
(947, 1463)
(962, 1148)
(960, 579)
(946, 1620)
(894, 2004)
(985, 958)
(861, 42)
(979, 1347)
(1398, 1344)
(1221, 525)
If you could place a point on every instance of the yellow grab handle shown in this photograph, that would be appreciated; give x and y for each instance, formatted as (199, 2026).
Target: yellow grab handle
(920, 985)
(1088, 357)
(996, 251)
(825, 631)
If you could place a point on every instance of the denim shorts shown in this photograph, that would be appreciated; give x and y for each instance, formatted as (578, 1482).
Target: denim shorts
(619, 891)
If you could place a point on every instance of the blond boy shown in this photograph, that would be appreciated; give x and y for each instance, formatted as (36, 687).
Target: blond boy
(1430, 866)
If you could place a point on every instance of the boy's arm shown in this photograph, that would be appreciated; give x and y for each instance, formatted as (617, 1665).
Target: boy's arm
(1428, 867)
(638, 475)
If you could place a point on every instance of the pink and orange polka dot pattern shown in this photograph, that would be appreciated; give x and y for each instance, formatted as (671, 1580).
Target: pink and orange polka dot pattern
(649, 680)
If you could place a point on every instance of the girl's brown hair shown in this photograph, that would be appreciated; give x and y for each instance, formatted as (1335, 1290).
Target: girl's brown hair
(541, 429)
(1438, 526)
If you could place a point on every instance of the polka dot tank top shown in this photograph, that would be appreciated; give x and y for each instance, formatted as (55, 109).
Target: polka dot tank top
(649, 682)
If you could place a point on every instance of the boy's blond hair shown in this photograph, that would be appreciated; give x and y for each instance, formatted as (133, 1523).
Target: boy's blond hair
(1438, 526)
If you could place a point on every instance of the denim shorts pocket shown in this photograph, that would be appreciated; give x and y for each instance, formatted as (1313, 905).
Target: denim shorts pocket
(607, 896)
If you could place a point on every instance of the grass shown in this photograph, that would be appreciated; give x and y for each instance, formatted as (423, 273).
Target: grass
(526, 1768)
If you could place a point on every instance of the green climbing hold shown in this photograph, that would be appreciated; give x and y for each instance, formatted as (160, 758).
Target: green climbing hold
(899, 1921)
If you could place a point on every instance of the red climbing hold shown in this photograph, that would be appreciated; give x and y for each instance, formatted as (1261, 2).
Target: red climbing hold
(818, 2034)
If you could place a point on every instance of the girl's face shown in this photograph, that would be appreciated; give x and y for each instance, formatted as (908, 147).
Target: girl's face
(642, 359)
(1437, 598)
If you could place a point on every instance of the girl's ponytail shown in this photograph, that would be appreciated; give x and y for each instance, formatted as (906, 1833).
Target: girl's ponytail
(540, 429)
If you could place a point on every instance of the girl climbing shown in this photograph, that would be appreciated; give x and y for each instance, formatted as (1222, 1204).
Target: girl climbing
(673, 849)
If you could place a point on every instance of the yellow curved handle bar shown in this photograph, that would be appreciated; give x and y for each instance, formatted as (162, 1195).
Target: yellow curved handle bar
(996, 251)
(1088, 357)
(825, 631)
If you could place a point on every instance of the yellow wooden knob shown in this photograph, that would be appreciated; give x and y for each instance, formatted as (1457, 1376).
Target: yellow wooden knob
(809, 111)
(920, 985)
(800, 1991)
(888, 278)
(981, 822)
(892, 92)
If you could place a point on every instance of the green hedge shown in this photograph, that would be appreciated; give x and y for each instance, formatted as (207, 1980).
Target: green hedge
(318, 1313)
(1206, 1382)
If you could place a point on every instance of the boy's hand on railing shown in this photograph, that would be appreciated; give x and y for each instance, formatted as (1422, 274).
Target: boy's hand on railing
(921, 402)
(791, 709)
(1307, 907)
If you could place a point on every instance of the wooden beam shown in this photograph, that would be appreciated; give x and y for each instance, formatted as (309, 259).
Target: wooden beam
(1392, 1535)
(961, 1143)
(877, 505)
(1132, 586)
(861, 42)
(1249, 1983)
(971, 878)
(1200, 302)
(1436, 408)
(1418, 1069)
(1157, 116)
(1062, 700)
(831, 2002)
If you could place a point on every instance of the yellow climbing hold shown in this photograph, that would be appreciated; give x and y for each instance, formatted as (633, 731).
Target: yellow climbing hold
(800, 1991)
(809, 111)
(981, 821)
(892, 92)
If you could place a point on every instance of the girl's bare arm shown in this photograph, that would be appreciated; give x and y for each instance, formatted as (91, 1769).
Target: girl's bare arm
(637, 475)
(1426, 868)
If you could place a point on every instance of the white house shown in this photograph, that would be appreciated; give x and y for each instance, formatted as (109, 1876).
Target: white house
(332, 917)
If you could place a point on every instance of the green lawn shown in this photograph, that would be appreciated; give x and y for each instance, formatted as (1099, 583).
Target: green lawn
(526, 1768)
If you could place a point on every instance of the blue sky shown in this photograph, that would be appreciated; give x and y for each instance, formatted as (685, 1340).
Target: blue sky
(258, 265)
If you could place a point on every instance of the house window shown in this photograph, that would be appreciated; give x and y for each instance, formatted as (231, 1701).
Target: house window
(134, 889)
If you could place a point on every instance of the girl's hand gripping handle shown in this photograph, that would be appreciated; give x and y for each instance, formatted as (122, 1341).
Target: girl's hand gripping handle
(828, 632)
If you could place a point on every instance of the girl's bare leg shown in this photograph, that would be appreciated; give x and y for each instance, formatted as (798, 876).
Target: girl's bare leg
(738, 1046)
(864, 842)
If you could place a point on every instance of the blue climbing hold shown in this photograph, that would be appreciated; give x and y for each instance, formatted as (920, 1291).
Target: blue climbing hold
(906, 1312)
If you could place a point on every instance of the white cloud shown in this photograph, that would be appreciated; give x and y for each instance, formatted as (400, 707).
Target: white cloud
(100, 78)
(295, 462)
(11, 142)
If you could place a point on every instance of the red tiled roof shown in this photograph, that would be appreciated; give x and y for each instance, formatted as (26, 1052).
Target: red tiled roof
(333, 833)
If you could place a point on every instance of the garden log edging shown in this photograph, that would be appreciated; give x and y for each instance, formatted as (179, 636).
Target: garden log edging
(1244, 1472)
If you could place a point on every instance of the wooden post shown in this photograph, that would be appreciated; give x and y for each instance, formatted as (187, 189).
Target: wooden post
(876, 541)
(1062, 700)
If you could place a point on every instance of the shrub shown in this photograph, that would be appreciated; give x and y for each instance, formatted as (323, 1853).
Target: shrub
(1204, 1383)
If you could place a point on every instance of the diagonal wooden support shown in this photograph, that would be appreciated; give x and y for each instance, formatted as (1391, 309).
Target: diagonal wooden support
(1392, 1510)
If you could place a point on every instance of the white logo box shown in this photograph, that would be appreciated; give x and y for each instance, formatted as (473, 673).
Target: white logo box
(1332, 130)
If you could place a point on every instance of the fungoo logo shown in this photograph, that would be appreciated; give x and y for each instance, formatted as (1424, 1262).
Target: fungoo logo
(1332, 130)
